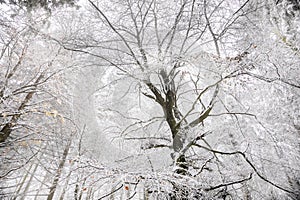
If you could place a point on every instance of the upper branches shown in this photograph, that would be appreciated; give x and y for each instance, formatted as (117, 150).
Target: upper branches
(175, 53)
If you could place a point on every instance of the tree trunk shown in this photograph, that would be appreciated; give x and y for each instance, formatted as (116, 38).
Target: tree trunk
(29, 181)
(7, 128)
(66, 186)
(59, 171)
(22, 182)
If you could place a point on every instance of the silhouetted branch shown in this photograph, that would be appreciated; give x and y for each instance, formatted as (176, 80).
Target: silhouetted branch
(230, 183)
(117, 189)
(249, 162)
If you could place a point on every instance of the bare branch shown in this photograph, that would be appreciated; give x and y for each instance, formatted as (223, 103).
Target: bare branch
(250, 163)
(119, 34)
(117, 189)
(270, 80)
(229, 183)
(211, 30)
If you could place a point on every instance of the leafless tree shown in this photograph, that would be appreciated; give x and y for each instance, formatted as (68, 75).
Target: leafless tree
(182, 57)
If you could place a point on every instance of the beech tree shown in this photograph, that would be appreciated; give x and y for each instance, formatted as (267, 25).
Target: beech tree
(188, 99)
(180, 74)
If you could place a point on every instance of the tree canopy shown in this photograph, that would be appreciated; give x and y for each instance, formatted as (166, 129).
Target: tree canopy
(36, 4)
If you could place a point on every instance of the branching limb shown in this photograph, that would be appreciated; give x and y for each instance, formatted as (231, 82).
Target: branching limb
(173, 30)
(203, 167)
(117, 189)
(155, 146)
(118, 33)
(205, 113)
(189, 27)
(215, 39)
(147, 138)
(230, 183)
(249, 162)
(19, 167)
(270, 80)
(158, 97)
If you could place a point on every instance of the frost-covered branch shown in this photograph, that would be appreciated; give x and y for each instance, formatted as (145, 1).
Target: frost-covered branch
(249, 162)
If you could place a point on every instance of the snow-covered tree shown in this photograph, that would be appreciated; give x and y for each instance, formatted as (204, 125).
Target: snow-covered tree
(184, 99)
(184, 87)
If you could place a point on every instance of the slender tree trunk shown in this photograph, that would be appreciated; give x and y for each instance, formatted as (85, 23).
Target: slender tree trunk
(7, 128)
(41, 186)
(146, 194)
(82, 189)
(76, 190)
(89, 194)
(22, 182)
(29, 181)
(59, 171)
(247, 194)
(66, 186)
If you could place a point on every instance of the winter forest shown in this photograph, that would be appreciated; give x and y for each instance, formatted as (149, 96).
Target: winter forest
(149, 99)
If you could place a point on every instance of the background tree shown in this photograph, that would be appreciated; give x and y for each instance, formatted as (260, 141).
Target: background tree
(36, 127)
(36, 4)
